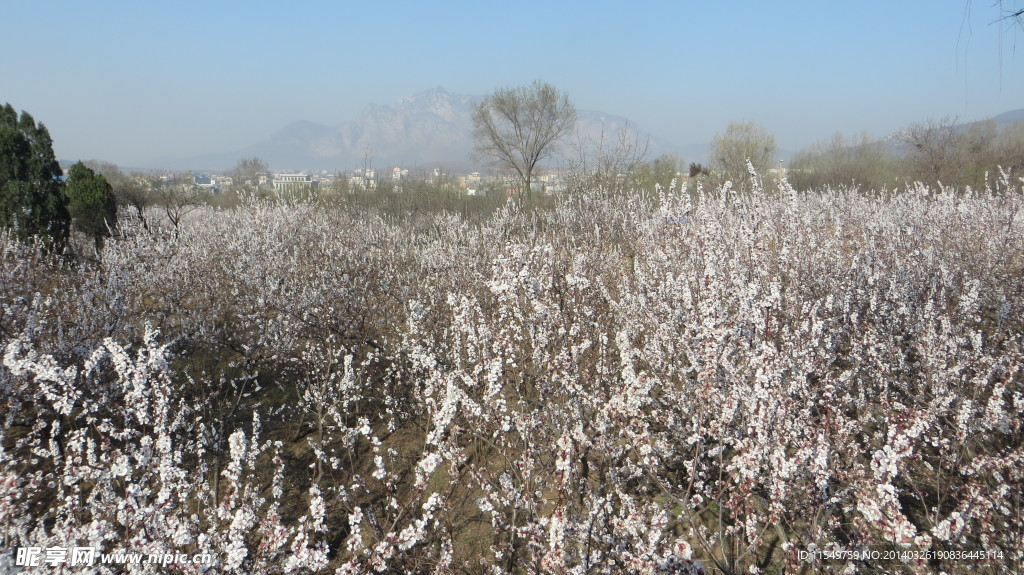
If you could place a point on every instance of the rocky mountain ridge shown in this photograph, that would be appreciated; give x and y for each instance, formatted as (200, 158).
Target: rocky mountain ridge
(434, 126)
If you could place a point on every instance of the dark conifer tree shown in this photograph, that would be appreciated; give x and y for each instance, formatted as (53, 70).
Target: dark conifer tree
(91, 203)
(32, 201)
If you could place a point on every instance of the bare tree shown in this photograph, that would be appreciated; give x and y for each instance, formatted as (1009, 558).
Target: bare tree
(179, 197)
(519, 127)
(742, 141)
(931, 148)
(245, 176)
(647, 176)
(600, 162)
(840, 162)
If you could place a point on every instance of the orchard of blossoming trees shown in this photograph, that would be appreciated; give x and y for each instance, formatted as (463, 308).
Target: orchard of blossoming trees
(698, 382)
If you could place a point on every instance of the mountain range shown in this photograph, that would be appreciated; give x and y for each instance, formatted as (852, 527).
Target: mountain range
(434, 128)
(428, 128)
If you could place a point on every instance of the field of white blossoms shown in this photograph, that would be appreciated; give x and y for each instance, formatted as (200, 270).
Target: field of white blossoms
(692, 382)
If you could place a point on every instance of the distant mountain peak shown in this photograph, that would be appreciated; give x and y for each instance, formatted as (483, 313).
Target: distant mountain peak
(436, 101)
(432, 93)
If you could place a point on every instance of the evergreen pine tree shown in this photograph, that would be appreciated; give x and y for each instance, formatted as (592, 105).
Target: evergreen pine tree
(32, 201)
(91, 203)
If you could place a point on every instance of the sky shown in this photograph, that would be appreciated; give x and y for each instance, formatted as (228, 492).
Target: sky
(129, 82)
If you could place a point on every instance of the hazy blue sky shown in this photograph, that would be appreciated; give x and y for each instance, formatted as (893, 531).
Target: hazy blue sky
(129, 81)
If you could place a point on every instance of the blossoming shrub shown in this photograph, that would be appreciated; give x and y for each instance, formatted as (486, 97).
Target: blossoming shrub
(696, 382)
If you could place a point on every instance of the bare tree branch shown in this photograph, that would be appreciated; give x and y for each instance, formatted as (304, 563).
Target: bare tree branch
(519, 127)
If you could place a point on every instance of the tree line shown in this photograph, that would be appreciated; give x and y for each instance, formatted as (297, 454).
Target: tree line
(36, 200)
(934, 151)
(517, 129)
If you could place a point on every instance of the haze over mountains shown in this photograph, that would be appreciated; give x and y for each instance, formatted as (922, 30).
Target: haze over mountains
(427, 128)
